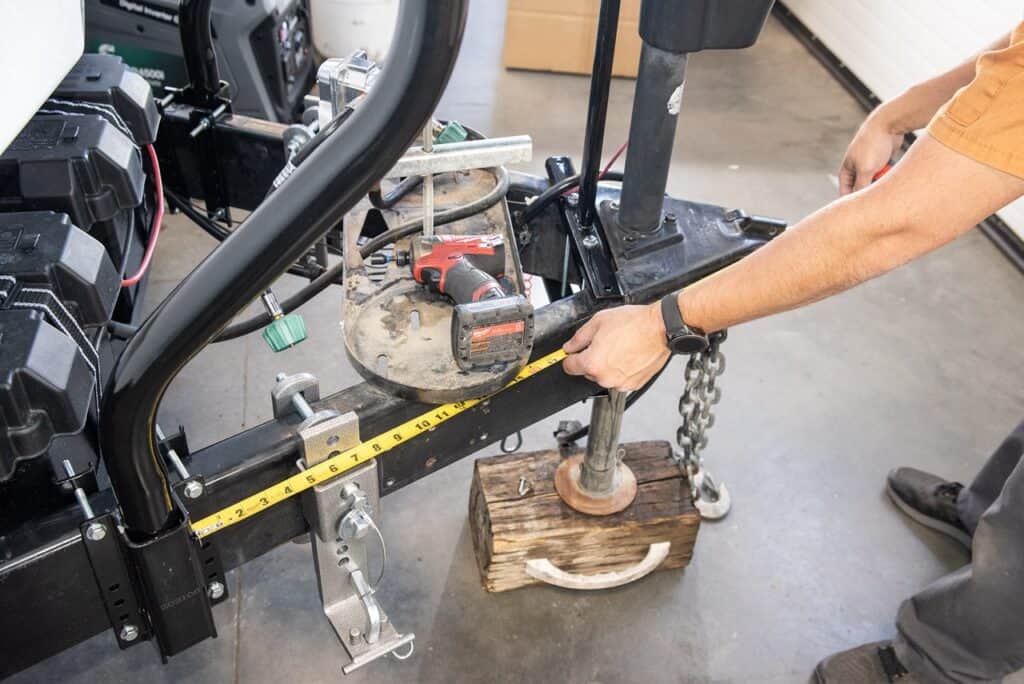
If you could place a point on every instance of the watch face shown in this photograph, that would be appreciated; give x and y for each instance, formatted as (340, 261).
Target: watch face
(688, 344)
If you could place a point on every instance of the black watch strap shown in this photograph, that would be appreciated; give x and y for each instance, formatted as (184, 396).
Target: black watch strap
(680, 337)
(671, 315)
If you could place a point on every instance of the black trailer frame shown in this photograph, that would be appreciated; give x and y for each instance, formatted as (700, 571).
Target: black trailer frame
(58, 587)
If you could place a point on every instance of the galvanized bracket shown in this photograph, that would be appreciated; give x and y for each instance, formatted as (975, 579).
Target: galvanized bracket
(342, 81)
(341, 514)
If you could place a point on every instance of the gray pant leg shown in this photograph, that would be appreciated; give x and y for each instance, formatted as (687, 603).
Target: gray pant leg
(969, 626)
(976, 498)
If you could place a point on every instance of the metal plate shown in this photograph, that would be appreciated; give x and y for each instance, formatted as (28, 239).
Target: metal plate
(397, 334)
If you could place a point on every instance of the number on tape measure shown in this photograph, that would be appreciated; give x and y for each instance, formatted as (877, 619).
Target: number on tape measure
(350, 458)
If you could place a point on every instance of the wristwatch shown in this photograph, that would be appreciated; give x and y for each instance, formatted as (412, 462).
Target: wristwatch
(682, 339)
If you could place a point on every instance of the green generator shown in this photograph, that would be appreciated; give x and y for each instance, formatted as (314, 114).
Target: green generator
(264, 48)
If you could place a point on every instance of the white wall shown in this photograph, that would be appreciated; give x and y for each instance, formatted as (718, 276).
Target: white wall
(890, 44)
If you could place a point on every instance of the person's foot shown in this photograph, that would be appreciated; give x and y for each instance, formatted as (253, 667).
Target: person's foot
(929, 500)
(868, 664)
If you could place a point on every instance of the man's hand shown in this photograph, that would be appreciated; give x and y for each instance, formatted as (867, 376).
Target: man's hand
(872, 148)
(620, 348)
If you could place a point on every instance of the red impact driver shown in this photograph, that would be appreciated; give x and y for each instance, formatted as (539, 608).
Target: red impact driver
(489, 325)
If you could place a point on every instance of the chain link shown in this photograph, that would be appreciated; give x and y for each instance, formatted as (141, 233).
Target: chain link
(696, 409)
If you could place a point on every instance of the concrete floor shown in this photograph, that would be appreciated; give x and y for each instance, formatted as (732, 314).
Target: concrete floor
(921, 367)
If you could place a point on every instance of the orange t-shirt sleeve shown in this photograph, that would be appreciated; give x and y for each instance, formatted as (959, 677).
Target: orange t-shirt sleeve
(985, 119)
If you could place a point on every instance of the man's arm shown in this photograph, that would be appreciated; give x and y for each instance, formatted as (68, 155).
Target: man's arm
(931, 197)
(882, 132)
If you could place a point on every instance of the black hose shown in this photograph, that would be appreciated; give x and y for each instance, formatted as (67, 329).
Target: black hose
(121, 331)
(217, 232)
(184, 206)
(325, 279)
(382, 201)
(538, 205)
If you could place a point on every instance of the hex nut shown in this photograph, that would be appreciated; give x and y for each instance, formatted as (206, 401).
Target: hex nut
(215, 590)
(193, 489)
(95, 532)
(129, 633)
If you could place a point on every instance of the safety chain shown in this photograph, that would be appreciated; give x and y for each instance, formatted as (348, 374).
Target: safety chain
(696, 404)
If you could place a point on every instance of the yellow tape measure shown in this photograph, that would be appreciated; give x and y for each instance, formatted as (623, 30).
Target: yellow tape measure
(357, 455)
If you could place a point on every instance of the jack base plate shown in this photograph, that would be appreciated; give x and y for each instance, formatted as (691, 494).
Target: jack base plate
(567, 484)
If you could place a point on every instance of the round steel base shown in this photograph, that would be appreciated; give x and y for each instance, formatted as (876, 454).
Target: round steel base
(567, 484)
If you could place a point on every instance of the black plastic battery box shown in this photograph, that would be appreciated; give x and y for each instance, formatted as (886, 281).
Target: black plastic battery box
(81, 165)
(46, 386)
(44, 249)
(105, 80)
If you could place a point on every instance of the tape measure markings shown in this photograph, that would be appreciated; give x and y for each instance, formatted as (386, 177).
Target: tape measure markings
(357, 455)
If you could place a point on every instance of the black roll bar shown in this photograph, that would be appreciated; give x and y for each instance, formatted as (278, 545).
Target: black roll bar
(327, 185)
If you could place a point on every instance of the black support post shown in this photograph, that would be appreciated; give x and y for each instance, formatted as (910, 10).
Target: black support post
(197, 47)
(597, 110)
(659, 91)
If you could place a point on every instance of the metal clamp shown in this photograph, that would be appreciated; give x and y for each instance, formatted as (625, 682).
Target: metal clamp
(342, 81)
(282, 396)
(293, 394)
(460, 156)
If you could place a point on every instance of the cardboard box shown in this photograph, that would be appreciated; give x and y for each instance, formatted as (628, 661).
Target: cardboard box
(559, 35)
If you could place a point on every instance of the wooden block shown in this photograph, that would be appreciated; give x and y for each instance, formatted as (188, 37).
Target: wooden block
(509, 529)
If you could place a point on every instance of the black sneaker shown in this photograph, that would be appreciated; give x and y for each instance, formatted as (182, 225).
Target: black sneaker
(868, 664)
(929, 500)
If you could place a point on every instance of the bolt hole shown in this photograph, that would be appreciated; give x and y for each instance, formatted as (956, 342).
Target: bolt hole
(332, 440)
(344, 548)
(382, 365)
(342, 560)
(209, 561)
(114, 587)
(119, 602)
(212, 575)
(333, 454)
(122, 617)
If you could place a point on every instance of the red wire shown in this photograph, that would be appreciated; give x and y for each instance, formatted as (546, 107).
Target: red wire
(604, 172)
(158, 219)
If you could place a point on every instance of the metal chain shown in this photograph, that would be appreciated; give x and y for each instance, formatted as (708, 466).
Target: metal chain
(696, 405)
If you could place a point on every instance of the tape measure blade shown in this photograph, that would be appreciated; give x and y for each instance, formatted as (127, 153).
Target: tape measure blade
(350, 458)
